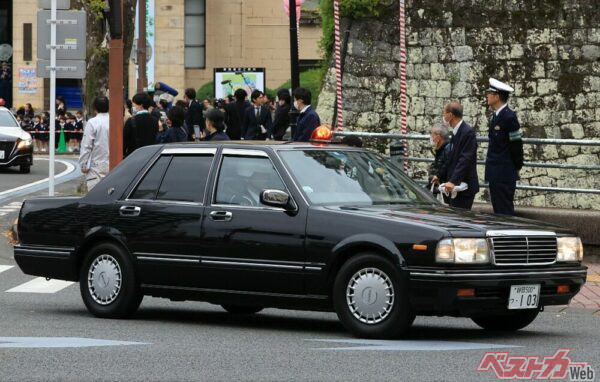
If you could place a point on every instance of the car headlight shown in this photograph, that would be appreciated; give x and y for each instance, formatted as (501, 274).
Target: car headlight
(569, 249)
(463, 251)
(25, 141)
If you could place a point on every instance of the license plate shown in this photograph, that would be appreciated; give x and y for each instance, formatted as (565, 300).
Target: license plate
(524, 296)
(1, 154)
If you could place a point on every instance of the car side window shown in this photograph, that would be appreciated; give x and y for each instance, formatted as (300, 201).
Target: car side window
(148, 187)
(242, 179)
(186, 178)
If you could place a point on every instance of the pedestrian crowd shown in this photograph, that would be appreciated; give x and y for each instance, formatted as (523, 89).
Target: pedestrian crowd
(453, 173)
(38, 125)
(159, 118)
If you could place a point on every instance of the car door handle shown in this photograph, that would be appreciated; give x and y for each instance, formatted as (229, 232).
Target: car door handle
(130, 211)
(221, 216)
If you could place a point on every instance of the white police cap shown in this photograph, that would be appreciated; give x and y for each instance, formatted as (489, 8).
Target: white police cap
(497, 86)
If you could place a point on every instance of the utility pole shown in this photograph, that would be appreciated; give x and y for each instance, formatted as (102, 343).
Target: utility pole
(115, 88)
(52, 97)
(142, 81)
(295, 72)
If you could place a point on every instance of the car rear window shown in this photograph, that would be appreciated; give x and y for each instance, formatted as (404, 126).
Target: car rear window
(149, 186)
(185, 179)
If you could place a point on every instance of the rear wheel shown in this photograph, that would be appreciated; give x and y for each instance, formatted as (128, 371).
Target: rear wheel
(24, 169)
(510, 322)
(240, 309)
(108, 284)
(370, 296)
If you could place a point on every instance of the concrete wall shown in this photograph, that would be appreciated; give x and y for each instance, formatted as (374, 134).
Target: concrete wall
(548, 51)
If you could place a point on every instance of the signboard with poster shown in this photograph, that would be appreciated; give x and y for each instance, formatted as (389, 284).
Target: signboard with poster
(228, 80)
(27, 81)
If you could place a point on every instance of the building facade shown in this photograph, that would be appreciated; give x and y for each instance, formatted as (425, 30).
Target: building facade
(191, 38)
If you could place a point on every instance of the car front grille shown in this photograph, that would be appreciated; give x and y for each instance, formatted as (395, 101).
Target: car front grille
(524, 250)
(7, 147)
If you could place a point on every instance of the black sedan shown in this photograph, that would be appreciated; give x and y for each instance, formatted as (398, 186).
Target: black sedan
(16, 145)
(295, 226)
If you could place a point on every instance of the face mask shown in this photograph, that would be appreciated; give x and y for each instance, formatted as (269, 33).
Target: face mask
(446, 123)
(296, 105)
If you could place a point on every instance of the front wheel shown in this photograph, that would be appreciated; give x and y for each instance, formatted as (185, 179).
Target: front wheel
(510, 322)
(24, 169)
(370, 296)
(108, 284)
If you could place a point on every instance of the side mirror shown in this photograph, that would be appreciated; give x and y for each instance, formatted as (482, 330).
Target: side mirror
(277, 198)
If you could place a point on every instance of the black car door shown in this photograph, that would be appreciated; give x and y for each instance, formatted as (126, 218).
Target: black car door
(162, 217)
(246, 245)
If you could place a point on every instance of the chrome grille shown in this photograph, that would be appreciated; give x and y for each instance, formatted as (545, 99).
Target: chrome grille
(524, 250)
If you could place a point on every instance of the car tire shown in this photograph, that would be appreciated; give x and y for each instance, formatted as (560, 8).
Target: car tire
(24, 169)
(377, 313)
(108, 284)
(510, 322)
(241, 309)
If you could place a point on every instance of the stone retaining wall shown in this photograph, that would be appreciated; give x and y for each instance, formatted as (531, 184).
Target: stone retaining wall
(548, 51)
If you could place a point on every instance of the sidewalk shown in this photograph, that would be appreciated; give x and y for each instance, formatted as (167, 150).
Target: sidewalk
(589, 296)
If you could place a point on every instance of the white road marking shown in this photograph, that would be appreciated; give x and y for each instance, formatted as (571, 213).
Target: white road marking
(70, 168)
(5, 267)
(409, 345)
(59, 342)
(40, 285)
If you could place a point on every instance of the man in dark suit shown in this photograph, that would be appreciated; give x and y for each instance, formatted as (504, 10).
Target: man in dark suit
(194, 120)
(234, 114)
(257, 123)
(139, 130)
(462, 161)
(308, 120)
(505, 152)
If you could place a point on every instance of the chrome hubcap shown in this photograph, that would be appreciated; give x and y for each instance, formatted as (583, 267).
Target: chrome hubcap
(370, 295)
(104, 279)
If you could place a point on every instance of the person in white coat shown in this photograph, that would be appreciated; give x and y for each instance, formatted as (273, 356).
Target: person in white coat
(93, 159)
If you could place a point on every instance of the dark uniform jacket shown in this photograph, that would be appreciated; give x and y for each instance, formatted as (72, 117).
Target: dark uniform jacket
(234, 117)
(251, 127)
(306, 124)
(281, 121)
(194, 117)
(462, 161)
(505, 151)
(217, 136)
(439, 167)
(139, 131)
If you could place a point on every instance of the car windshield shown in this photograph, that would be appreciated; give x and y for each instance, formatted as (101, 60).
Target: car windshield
(7, 120)
(329, 177)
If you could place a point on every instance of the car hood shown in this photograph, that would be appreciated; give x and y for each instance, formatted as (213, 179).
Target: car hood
(455, 221)
(10, 133)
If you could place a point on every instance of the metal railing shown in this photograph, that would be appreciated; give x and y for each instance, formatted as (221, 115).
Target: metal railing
(527, 141)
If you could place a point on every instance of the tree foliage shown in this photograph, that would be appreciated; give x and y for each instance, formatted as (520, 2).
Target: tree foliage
(354, 9)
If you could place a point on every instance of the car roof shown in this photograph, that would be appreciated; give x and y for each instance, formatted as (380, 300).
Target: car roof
(276, 145)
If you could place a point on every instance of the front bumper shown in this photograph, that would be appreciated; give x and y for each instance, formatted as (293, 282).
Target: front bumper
(434, 291)
(21, 159)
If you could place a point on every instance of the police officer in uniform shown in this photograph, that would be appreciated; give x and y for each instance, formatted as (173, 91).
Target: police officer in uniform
(505, 152)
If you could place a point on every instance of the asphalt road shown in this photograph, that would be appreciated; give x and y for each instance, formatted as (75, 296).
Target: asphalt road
(168, 341)
(11, 178)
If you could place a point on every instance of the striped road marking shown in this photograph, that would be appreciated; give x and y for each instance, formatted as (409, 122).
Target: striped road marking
(40, 285)
(5, 268)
